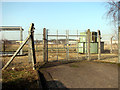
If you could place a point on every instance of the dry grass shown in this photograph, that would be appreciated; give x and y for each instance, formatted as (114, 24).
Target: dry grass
(19, 78)
(20, 73)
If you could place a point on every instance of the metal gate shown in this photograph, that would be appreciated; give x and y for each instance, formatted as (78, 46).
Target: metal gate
(64, 46)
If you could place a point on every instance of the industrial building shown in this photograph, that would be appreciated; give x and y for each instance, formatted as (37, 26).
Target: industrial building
(82, 44)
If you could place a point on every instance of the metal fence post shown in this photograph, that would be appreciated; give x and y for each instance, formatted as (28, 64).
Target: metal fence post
(99, 45)
(45, 45)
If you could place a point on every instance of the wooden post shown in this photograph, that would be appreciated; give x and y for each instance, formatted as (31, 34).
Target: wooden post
(18, 50)
(32, 58)
(99, 45)
(111, 50)
(30, 42)
(119, 45)
(45, 45)
(88, 44)
(29, 52)
(119, 33)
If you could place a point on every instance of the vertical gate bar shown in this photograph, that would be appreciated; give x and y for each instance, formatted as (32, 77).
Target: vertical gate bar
(86, 45)
(77, 46)
(99, 45)
(68, 44)
(57, 44)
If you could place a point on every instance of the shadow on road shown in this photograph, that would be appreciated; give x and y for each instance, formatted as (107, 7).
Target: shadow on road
(52, 84)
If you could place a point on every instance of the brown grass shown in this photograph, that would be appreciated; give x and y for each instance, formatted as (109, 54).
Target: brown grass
(20, 73)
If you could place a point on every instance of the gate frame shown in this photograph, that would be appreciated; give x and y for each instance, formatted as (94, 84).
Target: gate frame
(45, 44)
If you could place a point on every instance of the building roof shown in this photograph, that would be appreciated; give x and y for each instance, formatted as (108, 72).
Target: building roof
(11, 28)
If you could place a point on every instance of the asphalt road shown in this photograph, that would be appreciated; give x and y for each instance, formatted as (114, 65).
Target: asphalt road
(83, 74)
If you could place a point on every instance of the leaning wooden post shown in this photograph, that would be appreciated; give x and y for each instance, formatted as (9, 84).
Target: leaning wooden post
(88, 45)
(33, 57)
(99, 45)
(18, 50)
(45, 45)
(30, 47)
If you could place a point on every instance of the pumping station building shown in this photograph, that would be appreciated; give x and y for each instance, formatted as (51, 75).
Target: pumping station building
(82, 43)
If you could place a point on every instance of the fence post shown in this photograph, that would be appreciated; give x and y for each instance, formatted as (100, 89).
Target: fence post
(32, 57)
(111, 50)
(29, 51)
(88, 45)
(45, 45)
(99, 45)
(119, 45)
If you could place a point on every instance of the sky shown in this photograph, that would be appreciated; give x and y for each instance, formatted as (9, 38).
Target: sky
(54, 16)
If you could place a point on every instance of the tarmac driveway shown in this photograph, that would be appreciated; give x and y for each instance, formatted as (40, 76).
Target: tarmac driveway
(84, 74)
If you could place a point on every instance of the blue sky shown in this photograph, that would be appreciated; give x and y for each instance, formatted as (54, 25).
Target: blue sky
(54, 16)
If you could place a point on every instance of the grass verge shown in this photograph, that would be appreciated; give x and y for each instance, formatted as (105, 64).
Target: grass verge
(19, 78)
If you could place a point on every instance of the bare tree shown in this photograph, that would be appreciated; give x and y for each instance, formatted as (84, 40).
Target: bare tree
(112, 14)
(113, 8)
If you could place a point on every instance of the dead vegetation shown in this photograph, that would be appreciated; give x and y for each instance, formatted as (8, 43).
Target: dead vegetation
(20, 73)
